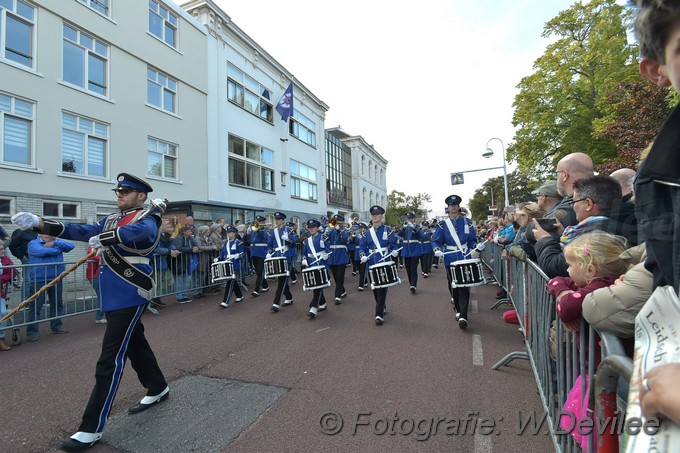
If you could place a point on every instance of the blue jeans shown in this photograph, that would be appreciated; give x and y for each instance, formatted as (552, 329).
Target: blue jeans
(95, 285)
(35, 309)
(182, 285)
(3, 312)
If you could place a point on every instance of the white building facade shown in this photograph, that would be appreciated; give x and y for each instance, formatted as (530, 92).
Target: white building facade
(256, 161)
(89, 89)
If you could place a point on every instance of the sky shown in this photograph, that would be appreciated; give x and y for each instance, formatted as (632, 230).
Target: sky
(428, 84)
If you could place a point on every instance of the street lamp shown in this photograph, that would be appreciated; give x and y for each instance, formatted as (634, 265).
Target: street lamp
(486, 192)
(488, 153)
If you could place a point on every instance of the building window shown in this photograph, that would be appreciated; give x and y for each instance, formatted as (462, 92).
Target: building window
(16, 128)
(17, 28)
(302, 128)
(6, 206)
(101, 6)
(103, 211)
(249, 94)
(363, 165)
(85, 61)
(161, 90)
(303, 181)
(84, 145)
(250, 165)
(62, 210)
(162, 23)
(161, 159)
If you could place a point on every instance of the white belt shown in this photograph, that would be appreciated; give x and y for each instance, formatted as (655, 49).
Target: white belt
(338, 246)
(259, 245)
(454, 248)
(133, 260)
(412, 241)
(382, 249)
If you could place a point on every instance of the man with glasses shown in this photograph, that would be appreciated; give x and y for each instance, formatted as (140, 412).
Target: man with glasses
(125, 240)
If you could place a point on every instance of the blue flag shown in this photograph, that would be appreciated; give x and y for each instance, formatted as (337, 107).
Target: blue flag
(285, 105)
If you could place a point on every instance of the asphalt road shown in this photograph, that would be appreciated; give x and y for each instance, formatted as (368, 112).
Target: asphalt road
(245, 379)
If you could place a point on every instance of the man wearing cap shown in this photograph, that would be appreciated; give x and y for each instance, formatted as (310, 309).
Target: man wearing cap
(316, 251)
(125, 240)
(338, 238)
(548, 197)
(411, 236)
(292, 226)
(259, 243)
(282, 239)
(457, 237)
(357, 238)
(233, 251)
(376, 247)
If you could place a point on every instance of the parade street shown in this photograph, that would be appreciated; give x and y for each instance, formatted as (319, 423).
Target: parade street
(246, 379)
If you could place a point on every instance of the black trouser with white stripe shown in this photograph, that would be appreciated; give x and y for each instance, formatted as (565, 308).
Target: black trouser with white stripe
(318, 298)
(380, 296)
(461, 297)
(282, 288)
(338, 271)
(260, 282)
(124, 339)
(426, 262)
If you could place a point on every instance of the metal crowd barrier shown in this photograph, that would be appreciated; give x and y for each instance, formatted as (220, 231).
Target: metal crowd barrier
(572, 355)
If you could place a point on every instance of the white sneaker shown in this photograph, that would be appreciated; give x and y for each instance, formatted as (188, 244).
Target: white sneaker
(287, 302)
(100, 321)
(224, 305)
(312, 312)
(322, 307)
(275, 307)
(457, 316)
(462, 323)
(238, 299)
(379, 320)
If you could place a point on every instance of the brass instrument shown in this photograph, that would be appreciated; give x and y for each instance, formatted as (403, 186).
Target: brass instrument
(255, 226)
(332, 223)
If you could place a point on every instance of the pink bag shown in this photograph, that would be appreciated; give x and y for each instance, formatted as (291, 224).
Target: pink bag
(510, 316)
(579, 409)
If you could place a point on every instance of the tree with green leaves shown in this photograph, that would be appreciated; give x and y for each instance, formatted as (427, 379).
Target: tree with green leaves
(398, 203)
(558, 105)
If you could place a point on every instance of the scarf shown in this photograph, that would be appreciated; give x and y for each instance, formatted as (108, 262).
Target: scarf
(583, 226)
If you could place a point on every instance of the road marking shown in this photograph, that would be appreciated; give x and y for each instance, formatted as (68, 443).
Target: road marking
(477, 353)
(482, 443)
(474, 308)
(321, 330)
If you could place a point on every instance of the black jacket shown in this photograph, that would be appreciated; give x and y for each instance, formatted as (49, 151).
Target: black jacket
(657, 204)
(18, 245)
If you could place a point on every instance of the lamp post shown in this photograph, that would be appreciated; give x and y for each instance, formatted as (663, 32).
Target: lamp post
(488, 153)
(486, 192)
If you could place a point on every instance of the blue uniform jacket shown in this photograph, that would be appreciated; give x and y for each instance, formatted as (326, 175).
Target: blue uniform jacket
(320, 245)
(338, 238)
(259, 242)
(231, 248)
(411, 244)
(117, 293)
(387, 240)
(52, 259)
(288, 245)
(443, 240)
(426, 241)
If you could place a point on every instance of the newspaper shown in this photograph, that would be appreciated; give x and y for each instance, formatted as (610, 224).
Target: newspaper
(657, 342)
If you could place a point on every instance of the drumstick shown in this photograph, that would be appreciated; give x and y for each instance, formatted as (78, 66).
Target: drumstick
(389, 254)
(317, 260)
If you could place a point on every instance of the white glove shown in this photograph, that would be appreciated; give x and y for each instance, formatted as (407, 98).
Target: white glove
(438, 253)
(410, 224)
(304, 262)
(269, 254)
(25, 220)
(284, 237)
(95, 243)
(324, 255)
(474, 254)
(363, 259)
(394, 254)
(215, 260)
(236, 256)
(337, 227)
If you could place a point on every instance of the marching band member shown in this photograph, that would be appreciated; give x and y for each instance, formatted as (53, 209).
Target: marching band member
(293, 253)
(315, 253)
(125, 241)
(259, 242)
(338, 237)
(433, 225)
(457, 236)
(360, 234)
(352, 246)
(280, 242)
(411, 236)
(426, 249)
(232, 250)
(376, 247)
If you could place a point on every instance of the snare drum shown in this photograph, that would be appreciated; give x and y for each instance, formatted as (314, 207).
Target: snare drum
(315, 277)
(276, 266)
(221, 271)
(384, 274)
(467, 273)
